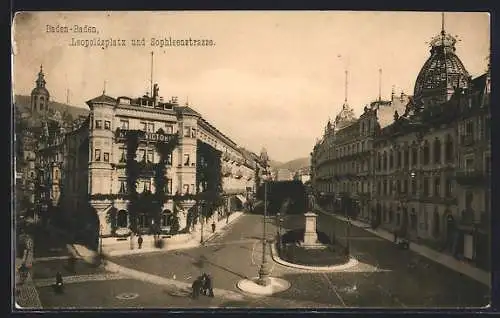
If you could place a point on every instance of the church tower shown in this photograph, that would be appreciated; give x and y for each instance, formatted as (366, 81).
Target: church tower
(40, 95)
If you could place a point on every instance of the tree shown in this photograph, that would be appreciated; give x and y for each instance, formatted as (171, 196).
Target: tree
(164, 150)
(132, 171)
(209, 174)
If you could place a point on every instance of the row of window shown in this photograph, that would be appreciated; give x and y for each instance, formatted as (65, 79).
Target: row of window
(146, 185)
(107, 124)
(149, 127)
(402, 157)
(189, 132)
(97, 156)
(347, 150)
(410, 186)
(467, 129)
(142, 155)
(166, 219)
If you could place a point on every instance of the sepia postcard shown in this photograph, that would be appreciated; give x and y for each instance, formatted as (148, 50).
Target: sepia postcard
(251, 159)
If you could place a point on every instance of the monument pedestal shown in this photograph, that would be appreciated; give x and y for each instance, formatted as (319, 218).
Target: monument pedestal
(310, 235)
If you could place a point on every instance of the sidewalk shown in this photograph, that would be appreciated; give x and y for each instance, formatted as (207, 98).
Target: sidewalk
(180, 241)
(26, 295)
(475, 273)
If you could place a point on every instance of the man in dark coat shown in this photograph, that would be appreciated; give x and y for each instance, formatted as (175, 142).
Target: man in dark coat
(59, 283)
(208, 286)
(139, 241)
(196, 287)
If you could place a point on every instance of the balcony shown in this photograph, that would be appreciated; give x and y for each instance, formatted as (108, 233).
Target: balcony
(471, 177)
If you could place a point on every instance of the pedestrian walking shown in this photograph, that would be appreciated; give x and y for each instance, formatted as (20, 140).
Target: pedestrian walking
(196, 287)
(213, 227)
(139, 241)
(23, 273)
(395, 236)
(208, 285)
(59, 283)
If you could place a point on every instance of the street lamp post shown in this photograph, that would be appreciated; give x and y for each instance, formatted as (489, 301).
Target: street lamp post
(264, 268)
(278, 221)
(348, 230)
(201, 220)
(100, 238)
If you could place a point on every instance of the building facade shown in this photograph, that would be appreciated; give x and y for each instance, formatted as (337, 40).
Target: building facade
(342, 160)
(37, 126)
(94, 169)
(418, 165)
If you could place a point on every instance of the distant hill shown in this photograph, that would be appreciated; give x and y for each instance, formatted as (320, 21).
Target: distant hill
(275, 164)
(23, 105)
(296, 164)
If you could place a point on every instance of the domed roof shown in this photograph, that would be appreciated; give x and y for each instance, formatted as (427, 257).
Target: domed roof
(40, 91)
(40, 85)
(345, 117)
(442, 72)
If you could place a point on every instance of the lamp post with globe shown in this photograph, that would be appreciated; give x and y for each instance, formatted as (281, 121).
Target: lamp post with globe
(264, 270)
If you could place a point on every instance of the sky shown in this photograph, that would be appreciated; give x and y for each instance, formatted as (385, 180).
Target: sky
(270, 79)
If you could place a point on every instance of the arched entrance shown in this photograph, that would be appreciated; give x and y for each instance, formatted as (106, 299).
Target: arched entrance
(450, 230)
(378, 213)
(405, 222)
(122, 219)
(166, 220)
(435, 224)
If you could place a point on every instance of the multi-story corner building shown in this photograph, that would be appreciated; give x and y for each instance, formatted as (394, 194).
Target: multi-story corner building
(420, 155)
(428, 177)
(94, 165)
(36, 124)
(473, 174)
(343, 159)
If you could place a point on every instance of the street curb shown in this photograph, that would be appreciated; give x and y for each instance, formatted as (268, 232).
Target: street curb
(188, 244)
(334, 268)
(417, 248)
(250, 286)
(162, 281)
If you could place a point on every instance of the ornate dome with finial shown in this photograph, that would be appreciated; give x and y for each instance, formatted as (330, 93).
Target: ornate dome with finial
(441, 73)
(345, 117)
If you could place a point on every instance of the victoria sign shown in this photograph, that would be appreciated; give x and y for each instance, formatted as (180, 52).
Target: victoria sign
(157, 136)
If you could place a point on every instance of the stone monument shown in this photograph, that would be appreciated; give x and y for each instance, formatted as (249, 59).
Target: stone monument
(310, 235)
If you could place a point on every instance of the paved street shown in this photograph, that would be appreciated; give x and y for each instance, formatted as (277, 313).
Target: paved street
(236, 254)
